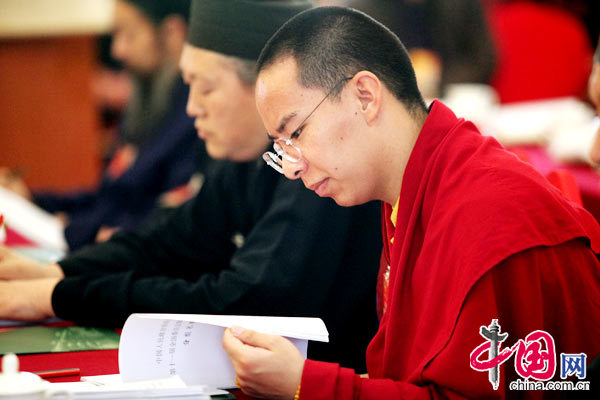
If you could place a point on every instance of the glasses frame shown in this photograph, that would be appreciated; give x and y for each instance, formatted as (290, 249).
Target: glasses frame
(275, 159)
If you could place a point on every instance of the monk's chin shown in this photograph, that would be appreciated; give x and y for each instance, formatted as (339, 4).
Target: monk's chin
(342, 201)
(216, 152)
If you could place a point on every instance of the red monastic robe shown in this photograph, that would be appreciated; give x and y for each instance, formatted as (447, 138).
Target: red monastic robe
(479, 235)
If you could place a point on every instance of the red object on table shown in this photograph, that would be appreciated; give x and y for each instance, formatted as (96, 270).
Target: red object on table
(58, 373)
(15, 239)
(95, 362)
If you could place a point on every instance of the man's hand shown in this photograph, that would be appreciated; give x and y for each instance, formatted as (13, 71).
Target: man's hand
(105, 233)
(27, 300)
(16, 266)
(266, 365)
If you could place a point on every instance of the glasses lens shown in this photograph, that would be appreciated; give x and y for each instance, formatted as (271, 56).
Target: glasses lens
(287, 151)
(278, 149)
(273, 160)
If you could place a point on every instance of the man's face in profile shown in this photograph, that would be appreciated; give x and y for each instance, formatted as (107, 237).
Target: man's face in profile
(136, 40)
(222, 106)
(332, 140)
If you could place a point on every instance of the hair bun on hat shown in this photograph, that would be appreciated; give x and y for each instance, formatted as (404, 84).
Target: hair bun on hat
(239, 28)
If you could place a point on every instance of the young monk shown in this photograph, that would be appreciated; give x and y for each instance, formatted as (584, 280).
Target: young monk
(473, 237)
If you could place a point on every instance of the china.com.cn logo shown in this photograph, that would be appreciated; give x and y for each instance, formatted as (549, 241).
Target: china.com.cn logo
(535, 358)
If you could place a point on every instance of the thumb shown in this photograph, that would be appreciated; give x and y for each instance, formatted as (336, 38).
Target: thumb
(253, 338)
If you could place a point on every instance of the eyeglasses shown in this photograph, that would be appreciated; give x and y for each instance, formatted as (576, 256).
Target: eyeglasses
(284, 148)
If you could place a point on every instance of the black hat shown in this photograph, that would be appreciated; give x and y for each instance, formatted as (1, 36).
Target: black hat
(239, 28)
(157, 10)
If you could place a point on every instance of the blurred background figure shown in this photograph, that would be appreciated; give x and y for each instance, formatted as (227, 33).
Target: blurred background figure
(518, 69)
(448, 41)
(156, 149)
(544, 50)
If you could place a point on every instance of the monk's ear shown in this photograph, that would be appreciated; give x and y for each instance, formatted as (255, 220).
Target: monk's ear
(368, 91)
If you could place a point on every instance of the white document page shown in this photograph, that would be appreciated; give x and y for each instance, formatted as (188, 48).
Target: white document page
(112, 387)
(155, 346)
(31, 221)
(295, 327)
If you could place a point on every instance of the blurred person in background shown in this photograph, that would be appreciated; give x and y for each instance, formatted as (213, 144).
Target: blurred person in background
(544, 49)
(448, 41)
(111, 90)
(157, 149)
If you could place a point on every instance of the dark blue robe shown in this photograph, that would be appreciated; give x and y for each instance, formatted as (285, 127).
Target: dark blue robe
(165, 161)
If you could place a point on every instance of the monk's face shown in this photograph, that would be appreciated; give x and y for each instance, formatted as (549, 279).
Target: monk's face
(135, 41)
(222, 105)
(336, 155)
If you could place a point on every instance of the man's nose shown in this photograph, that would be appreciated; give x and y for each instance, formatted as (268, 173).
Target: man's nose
(194, 108)
(295, 170)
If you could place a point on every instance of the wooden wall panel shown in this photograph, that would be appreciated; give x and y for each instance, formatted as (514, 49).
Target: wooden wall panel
(48, 124)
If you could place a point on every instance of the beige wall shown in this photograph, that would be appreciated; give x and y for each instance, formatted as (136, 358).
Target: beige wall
(20, 18)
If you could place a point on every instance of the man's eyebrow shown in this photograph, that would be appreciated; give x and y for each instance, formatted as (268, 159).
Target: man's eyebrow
(285, 120)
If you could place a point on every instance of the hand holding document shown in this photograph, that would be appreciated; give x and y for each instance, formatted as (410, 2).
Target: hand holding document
(155, 346)
(180, 356)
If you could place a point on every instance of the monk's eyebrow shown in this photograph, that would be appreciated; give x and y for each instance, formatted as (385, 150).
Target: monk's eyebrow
(285, 120)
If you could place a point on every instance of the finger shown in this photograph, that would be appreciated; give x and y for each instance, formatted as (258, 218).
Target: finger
(253, 338)
(232, 345)
(239, 355)
(247, 387)
(249, 391)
